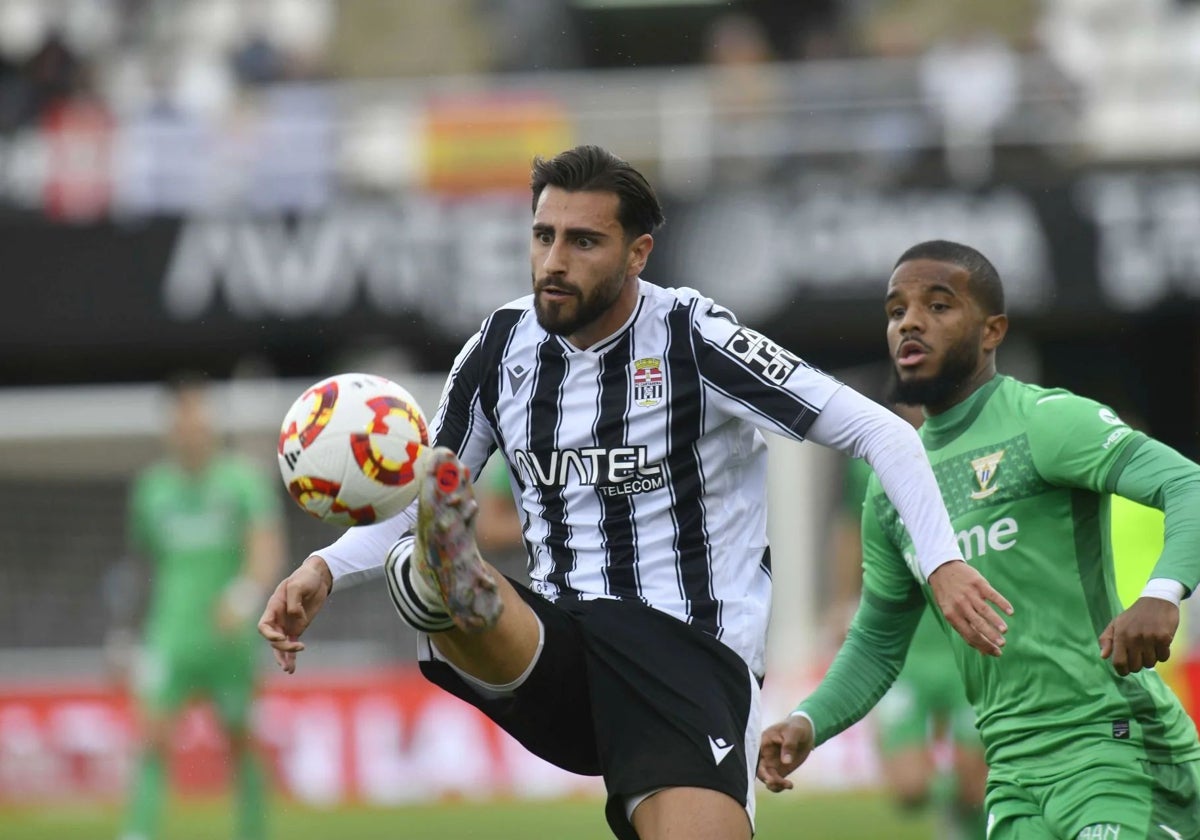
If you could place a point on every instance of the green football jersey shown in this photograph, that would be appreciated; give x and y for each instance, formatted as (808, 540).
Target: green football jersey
(1026, 474)
(193, 529)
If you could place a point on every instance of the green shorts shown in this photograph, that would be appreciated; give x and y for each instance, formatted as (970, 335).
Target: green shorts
(222, 674)
(1127, 799)
(927, 699)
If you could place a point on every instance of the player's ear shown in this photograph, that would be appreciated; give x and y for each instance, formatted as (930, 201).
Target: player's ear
(639, 252)
(995, 327)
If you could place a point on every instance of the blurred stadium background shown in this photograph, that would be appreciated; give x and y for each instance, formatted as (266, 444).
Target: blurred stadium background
(278, 190)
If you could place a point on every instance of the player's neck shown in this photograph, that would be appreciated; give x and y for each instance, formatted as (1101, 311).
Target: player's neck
(982, 376)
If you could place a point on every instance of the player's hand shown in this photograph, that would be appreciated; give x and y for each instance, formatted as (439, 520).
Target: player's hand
(965, 597)
(292, 607)
(1141, 636)
(784, 747)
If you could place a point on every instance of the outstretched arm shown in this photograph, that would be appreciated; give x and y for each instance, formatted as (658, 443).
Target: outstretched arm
(860, 427)
(861, 673)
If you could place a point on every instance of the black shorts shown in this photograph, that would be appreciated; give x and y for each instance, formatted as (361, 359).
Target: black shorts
(632, 694)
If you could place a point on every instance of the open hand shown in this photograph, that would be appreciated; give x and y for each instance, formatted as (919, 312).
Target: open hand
(292, 607)
(784, 747)
(1141, 636)
(965, 597)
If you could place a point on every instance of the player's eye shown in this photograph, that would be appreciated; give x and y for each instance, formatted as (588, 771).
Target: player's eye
(896, 312)
(544, 237)
(938, 306)
(585, 242)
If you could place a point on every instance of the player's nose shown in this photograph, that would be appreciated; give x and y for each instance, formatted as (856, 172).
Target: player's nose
(555, 261)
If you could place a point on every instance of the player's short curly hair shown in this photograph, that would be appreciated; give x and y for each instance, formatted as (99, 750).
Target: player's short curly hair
(984, 281)
(593, 169)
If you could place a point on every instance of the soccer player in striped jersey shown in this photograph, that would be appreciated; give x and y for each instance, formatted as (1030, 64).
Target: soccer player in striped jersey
(1082, 738)
(629, 416)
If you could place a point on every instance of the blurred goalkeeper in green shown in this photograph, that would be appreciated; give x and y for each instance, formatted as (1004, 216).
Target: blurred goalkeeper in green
(1083, 740)
(208, 525)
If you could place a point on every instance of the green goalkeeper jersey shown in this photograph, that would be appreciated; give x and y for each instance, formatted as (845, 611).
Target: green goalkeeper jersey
(1026, 475)
(193, 529)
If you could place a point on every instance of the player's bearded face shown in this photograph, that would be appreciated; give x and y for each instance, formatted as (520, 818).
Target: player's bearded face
(938, 388)
(579, 307)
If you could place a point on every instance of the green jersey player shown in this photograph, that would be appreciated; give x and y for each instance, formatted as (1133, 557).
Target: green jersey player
(209, 526)
(1082, 738)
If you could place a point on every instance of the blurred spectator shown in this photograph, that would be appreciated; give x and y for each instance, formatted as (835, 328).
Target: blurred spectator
(970, 82)
(258, 61)
(529, 35)
(409, 38)
(162, 151)
(744, 93)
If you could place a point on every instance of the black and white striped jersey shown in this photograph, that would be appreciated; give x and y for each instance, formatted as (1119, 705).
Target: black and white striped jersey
(638, 463)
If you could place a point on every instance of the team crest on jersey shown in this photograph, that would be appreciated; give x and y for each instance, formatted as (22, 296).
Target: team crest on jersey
(648, 382)
(985, 473)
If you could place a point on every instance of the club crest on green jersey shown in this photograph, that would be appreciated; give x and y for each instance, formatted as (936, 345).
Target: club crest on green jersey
(985, 470)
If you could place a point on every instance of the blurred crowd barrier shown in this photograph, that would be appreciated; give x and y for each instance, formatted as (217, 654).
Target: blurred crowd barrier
(378, 736)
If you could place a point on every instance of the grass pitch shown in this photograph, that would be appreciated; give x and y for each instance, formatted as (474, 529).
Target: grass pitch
(796, 815)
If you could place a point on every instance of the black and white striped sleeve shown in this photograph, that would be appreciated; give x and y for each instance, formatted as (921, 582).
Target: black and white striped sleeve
(747, 375)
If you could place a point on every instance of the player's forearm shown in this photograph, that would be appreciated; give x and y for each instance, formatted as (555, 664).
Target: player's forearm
(859, 427)
(1159, 476)
(359, 554)
(866, 665)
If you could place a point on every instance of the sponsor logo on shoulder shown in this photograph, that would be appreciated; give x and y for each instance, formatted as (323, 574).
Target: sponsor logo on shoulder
(762, 355)
(985, 472)
(1116, 435)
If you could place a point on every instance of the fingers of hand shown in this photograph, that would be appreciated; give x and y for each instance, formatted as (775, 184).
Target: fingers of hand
(771, 777)
(997, 599)
(1162, 650)
(1120, 655)
(976, 634)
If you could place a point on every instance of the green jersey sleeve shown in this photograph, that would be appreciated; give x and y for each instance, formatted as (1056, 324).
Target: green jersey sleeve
(1077, 442)
(1158, 476)
(875, 648)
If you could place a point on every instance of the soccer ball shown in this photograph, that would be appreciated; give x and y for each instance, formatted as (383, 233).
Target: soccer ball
(352, 448)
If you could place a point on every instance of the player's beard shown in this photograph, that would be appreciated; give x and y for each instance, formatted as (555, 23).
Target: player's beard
(563, 319)
(940, 389)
